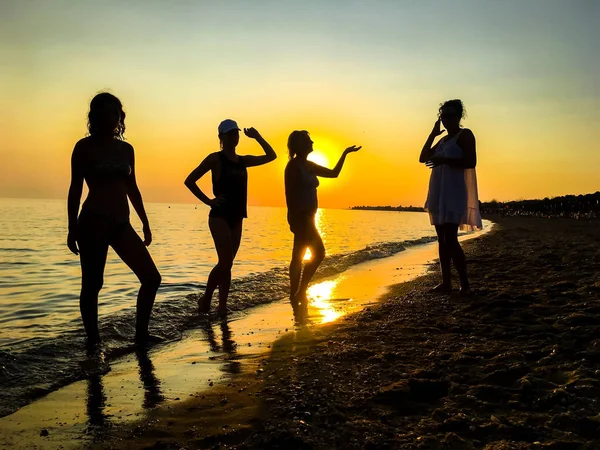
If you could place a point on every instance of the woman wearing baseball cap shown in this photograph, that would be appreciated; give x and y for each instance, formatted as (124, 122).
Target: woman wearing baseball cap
(228, 207)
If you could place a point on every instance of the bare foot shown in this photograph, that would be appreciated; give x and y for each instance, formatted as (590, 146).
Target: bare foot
(221, 312)
(300, 298)
(93, 343)
(203, 305)
(145, 339)
(443, 288)
(465, 292)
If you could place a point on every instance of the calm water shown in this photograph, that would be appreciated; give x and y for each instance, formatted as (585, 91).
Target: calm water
(40, 278)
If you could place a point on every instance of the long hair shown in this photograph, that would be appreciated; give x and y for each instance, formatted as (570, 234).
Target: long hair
(98, 123)
(295, 141)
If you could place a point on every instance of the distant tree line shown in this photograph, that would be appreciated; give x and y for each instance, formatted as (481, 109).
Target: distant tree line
(574, 206)
(390, 208)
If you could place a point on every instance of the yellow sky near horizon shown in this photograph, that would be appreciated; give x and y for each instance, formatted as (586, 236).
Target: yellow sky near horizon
(370, 74)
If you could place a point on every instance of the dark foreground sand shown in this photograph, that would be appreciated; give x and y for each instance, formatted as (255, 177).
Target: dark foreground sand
(516, 366)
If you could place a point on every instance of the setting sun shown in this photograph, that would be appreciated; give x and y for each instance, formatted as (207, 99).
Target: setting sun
(319, 158)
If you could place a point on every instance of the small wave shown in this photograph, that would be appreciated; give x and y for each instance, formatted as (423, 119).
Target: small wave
(39, 366)
(16, 263)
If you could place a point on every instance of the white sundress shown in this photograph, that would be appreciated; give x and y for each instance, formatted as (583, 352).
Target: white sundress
(452, 196)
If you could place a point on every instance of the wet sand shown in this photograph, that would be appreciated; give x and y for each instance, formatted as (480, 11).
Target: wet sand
(516, 366)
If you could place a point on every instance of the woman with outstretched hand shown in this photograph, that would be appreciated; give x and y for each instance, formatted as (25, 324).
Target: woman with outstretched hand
(107, 164)
(452, 200)
(228, 207)
(301, 182)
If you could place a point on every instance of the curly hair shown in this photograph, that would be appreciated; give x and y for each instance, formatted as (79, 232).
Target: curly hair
(457, 105)
(295, 141)
(97, 120)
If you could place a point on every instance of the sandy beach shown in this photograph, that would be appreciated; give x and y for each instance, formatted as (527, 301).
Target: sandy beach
(516, 366)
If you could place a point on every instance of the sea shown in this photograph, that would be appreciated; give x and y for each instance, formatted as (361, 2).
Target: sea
(41, 335)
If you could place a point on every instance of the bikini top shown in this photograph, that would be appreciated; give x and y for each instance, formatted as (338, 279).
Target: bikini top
(110, 169)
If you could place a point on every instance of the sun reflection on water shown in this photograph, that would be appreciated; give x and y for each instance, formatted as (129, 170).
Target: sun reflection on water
(320, 296)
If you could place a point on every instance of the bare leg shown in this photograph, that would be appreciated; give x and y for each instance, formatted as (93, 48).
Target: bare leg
(457, 255)
(93, 248)
(236, 238)
(317, 250)
(222, 237)
(296, 267)
(445, 260)
(130, 248)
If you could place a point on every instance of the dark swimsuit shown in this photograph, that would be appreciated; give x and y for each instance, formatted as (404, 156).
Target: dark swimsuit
(232, 185)
(96, 229)
(301, 200)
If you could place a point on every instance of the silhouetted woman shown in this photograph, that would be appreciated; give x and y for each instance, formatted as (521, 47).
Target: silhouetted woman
(228, 208)
(301, 184)
(107, 164)
(452, 200)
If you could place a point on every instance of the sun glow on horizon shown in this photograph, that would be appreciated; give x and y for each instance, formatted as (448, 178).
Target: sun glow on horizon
(316, 71)
(319, 158)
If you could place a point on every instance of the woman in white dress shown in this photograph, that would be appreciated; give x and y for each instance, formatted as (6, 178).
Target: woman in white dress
(452, 200)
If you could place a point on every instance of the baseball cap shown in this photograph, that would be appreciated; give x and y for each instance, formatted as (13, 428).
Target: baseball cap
(228, 125)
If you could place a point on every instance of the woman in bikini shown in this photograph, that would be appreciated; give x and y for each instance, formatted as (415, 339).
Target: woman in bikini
(107, 164)
(301, 184)
(452, 200)
(228, 207)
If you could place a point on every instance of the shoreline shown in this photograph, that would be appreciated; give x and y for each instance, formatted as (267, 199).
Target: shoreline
(170, 319)
(516, 366)
(170, 373)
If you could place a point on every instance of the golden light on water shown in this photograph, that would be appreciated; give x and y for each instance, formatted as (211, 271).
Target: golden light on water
(320, 297)
(320, 294)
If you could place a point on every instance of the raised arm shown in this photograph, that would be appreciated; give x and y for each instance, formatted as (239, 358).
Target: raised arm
(190, 182)
(428, 151)
(270, 155)
(324, 172)
(74, 198)
(135, 197)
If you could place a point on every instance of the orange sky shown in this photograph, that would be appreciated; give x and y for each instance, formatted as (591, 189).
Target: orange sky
(369, 74)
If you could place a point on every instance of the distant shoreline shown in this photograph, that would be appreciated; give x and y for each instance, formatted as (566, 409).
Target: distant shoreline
(388, 208)
(567, 206)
